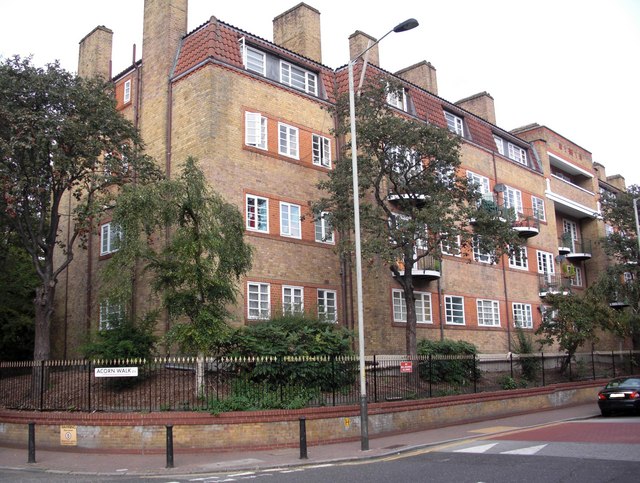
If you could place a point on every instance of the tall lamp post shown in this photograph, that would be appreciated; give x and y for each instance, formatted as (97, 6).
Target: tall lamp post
(635, 212)
(364, 417)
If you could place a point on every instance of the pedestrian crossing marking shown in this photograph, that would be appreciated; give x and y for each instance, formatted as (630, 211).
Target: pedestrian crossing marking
(476, 449)
(526, 451)
(494, 429)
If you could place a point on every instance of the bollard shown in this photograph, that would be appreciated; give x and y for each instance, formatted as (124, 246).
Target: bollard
(303, 438)
(169, 446)
(32, 443)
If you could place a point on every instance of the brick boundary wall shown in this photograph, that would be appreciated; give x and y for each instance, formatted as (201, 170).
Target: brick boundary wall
(145, 433)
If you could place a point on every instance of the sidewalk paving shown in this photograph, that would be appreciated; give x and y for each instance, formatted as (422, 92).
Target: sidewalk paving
(80, 463)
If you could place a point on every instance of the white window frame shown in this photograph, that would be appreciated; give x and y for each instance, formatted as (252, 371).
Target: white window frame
(323, 230)
(321, 151)
(258, 300)
(255, 130)
(478, 256)
(292, 300)
(546, 262)
(522, 315)
(288, 140)
(499, 144)
(517, 153)
(576, 281)
(445, 248)
(398, 99)
(110, 237)
(110, 312)
(513, 199)
(127, 91)
(327, 305)
(422, 307)
(259, 219)
(298, 78)
(519, 259)
(482, 182)
(290, 220)
(253, 59)
(455, 123)
(488, 313)
(454, 309)
(538, 208)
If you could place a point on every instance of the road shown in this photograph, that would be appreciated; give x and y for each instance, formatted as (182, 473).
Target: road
(591, 450)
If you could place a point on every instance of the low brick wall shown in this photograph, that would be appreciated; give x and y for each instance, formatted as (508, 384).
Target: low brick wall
(193, 431)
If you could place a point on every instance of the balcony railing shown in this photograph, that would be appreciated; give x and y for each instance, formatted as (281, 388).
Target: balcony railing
(427, 267)
(526, 223)
(550, 283)
(574, 250)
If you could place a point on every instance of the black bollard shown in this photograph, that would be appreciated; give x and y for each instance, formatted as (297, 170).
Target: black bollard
(32, 443)
(303, 438)
(169, 446)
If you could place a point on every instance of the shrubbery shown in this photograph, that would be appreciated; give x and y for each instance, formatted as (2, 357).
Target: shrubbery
(299, 337)
(451, 361)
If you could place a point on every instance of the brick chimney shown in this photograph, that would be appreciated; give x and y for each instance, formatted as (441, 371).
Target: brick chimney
(422, 74)
(618, 181)
(298, 30)
(358, 42)
(94, 59)
(481, 105)
(165, 23)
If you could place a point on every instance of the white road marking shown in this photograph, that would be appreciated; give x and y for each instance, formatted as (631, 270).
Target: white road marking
(476, 449)
(526, 451)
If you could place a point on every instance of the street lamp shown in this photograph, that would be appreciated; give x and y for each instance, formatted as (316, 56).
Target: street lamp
(364, 423)
(635, 211)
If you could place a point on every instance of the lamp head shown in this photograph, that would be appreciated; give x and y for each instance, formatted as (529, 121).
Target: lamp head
(406, 25)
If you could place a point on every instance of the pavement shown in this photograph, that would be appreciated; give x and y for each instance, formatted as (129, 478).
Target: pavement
(77, 463)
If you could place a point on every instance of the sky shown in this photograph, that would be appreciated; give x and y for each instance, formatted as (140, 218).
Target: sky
(571, 65)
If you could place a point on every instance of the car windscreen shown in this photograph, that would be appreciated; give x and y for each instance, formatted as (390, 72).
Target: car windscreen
(630, 382)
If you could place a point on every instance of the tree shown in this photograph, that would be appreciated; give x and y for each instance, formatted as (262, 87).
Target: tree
(620, 283)
(60, 136)
(18, 282)
(413, 197)
(196, 268)
(571, 321)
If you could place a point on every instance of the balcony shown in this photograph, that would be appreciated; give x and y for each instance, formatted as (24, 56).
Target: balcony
(552, 284)
(426, 268)
(488, 207)
(574, 250)
(416, 199)
(526, 223)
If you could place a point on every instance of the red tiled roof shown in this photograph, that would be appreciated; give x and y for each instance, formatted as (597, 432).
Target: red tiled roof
(218, 41)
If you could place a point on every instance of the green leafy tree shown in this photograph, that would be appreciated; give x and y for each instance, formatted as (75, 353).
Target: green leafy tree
(18, 282)
(196, 268)
(572, 321)
(413, 196)
(60, 136)
(621, 281)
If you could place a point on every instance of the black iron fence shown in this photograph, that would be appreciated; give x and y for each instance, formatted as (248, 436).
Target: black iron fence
(225, 384)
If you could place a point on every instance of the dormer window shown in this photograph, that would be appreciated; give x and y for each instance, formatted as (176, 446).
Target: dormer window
(454, 123)
(298, 78)
(397, 99)
(127, 91)
(499, 144)
(253, 59)
(518, 154)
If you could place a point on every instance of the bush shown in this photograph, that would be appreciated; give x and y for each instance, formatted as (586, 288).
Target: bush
(530, 366)
(124, 340)
(251, 396)
(452, 361)
(296, 336)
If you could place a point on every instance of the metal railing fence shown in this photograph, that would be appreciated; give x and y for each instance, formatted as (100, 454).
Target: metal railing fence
(224, 383)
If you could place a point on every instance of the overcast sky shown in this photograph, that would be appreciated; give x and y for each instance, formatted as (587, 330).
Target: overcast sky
(571, 65)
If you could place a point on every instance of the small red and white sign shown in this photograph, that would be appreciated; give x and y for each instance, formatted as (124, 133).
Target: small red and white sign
(406, 366)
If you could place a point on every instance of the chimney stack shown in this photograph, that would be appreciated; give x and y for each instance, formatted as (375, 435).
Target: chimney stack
(481, 105)
(298, 30)
(94, 59)
(358, 42)
(422, 74)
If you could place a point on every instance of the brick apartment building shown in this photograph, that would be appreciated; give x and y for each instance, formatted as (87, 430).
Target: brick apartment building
(254, 113)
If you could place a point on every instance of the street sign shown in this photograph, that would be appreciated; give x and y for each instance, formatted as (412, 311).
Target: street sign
(68, 436)
(406, 366)
(116, 372)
